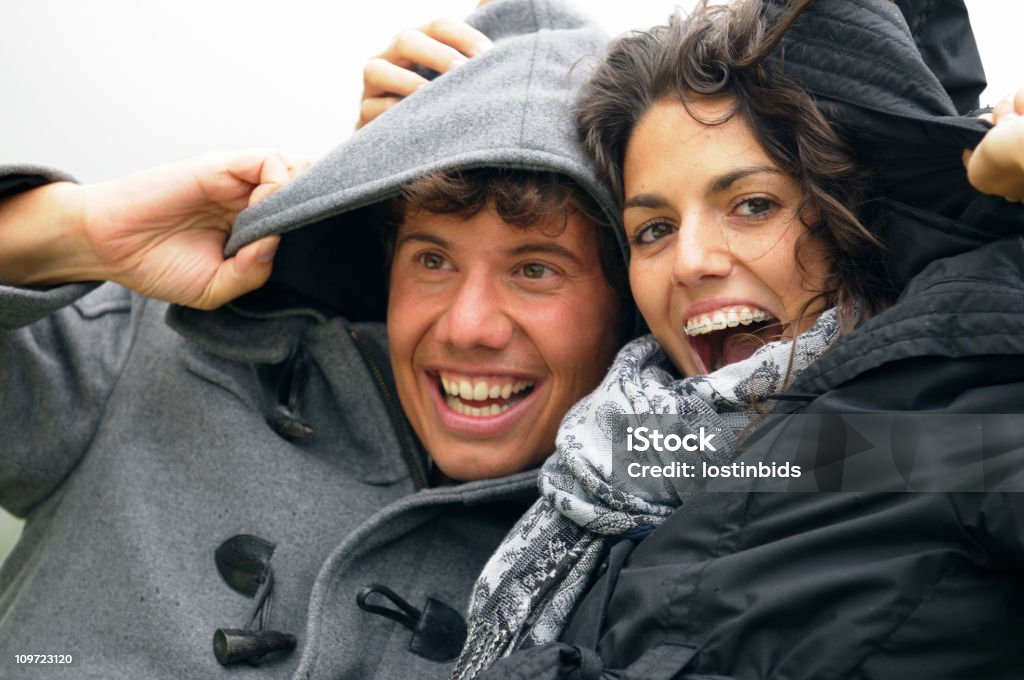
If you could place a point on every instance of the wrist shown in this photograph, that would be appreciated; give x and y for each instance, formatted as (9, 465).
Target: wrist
(43, 237)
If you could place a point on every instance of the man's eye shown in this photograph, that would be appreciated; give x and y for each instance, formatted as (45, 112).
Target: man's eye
(432, 261)
(755, 207)
(655, 231)
(535, 270)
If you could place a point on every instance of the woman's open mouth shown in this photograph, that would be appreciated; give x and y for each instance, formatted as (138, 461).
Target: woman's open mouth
(730, 334)
(483, 397)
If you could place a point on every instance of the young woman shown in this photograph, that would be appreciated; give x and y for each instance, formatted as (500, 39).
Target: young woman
(803, 239)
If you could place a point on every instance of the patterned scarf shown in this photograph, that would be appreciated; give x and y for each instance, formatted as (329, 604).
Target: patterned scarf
(531, 584)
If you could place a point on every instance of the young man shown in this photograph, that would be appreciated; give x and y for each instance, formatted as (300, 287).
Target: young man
(179, 470)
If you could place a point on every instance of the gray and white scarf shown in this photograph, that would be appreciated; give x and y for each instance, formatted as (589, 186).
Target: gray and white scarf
(530, 585)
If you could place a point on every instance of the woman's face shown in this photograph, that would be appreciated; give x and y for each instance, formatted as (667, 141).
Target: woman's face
(713, 227)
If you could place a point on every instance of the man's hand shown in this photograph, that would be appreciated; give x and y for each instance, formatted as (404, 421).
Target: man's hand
(160, 232)
(996, 166)
(441, 45)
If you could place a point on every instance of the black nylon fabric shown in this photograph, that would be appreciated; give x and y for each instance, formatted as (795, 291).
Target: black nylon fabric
(812, 586)
(823, 585)
(959, 313)
(822, 52)
(900, 118)
(950, 52)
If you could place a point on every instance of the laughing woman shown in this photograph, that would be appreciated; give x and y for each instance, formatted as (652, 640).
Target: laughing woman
(803, 238)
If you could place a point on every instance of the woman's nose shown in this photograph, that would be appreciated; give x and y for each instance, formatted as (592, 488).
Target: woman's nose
(701, 252)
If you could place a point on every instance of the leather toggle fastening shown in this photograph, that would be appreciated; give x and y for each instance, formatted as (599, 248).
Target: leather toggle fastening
(244, 563)
(285, 418)
(438, 631)
(231, 645)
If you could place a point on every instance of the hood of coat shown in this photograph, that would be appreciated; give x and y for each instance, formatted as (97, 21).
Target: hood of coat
(950, 247)
(865, 67)
(942, 32)
(507, 108)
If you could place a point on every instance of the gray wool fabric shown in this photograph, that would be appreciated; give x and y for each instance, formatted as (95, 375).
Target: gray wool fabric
(137, 437)
(490, 111)
(23, 306)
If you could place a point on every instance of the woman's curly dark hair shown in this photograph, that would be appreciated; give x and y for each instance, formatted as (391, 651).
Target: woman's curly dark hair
(735, 50)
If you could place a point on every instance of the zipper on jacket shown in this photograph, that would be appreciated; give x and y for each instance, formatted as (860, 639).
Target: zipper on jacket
(394, 412)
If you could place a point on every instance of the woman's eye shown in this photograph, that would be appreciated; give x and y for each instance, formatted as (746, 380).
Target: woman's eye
(432, 261)
(535, 270)
(755, 207)
(653, 232)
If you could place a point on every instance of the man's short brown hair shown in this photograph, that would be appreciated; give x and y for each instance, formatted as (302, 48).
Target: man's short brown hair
(521, 198)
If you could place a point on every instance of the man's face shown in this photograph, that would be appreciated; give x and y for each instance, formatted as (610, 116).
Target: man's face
(494, 332)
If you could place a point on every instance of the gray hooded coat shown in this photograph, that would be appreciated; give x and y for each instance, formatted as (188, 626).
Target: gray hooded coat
(138, 438)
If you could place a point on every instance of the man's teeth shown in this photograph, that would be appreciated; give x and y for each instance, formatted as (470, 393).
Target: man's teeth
(459, 391)
(725, 318)
(481, 389)
(455, 404)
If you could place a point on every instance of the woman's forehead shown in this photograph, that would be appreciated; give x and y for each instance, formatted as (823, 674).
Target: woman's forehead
(670, 144)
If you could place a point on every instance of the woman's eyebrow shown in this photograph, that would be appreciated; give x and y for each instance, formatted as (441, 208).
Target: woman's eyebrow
(723, 182)
(718, 184)
(649, 201)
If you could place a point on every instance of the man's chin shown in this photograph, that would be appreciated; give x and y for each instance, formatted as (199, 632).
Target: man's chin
(472, 463)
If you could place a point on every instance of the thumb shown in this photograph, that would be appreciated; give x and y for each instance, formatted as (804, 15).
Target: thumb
(273, 175)
(245, 272)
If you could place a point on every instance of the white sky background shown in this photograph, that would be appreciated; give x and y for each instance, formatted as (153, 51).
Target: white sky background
(103, 87)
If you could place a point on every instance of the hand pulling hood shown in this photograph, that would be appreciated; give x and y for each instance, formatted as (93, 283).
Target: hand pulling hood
(507, 108)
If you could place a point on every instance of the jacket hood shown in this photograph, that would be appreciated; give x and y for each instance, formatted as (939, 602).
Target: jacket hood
(948, 246)
(860, 60)
(943, 35)
(507, 108)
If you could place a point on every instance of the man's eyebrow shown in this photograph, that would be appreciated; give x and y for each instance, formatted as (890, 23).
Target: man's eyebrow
(723, 182)
(422, 237)
(547, 248)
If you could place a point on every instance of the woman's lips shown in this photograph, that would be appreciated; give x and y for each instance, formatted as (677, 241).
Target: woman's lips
(719, 334)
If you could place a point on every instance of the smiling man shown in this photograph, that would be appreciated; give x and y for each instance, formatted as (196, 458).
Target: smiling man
(180, 471)
(500, 314)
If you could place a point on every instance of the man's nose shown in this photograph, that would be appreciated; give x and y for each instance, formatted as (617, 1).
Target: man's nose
(702, 251)
(476, 315)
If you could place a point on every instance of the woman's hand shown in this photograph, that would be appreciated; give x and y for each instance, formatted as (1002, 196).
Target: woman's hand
(160, 232)
(441, 45)
(996, 166)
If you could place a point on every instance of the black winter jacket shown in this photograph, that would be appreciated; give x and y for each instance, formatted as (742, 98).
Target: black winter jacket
(840, 585)
(810, 586)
